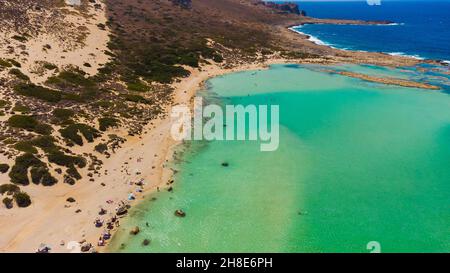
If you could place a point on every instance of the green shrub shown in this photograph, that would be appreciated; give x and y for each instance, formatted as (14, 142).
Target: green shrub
(9, 141)
(105, 123)
(19, 38)
(73, 97)
(71, 78)
(138, 86)
(135, 98)
(8, 202)
(49, 66)
(104, 104)
(109, 53)
(43, 129)
(39, 92)
(62, 159)
(63, 115)
(21, 108)
(101, 148)
(3, 103)
(19, 172)
(71, 133)
(9, 189)
(24, 122)
(16, 72)
(30, 124)
(74, 80)
(46, 143)
(41, 175)
(217, 58)
(72, 172)
(4, 168)
(4, 63)
(14, 62)
(25, 146)
(22, 199)
(37, 173)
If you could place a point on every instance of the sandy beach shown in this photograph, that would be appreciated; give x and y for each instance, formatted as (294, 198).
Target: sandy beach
(54, 221)
(142, 157)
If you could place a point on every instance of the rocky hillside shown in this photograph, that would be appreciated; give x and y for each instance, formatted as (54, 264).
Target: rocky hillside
(285, 8)
(75, 80)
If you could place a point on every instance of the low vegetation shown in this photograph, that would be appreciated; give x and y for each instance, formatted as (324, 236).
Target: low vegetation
(101, 148)
(26, 147)
(5, 63)
(138, 86)
(23, 200)
(72, 133)
(4, 103)
(14, 62)
(39, 92)
(49, 66)
(21, 108)
(20, 38)
(106, 122)
(30, 124)
(8, 202)
(4, 168)
(74, 81)
(135, 98)
(19, 172)
(19, 74)
(9, 189)
(63, 115)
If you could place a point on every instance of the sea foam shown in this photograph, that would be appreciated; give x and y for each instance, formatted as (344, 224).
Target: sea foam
(311, 38)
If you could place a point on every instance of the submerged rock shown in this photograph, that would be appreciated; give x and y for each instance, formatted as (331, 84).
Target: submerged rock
(180, 213)
(135, 231)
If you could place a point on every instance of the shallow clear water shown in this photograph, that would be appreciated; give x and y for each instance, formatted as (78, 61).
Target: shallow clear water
(357, 162)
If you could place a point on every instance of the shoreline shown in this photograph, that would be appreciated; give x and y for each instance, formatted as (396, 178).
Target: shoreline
(188, 88)
(320, 42)
(156, 175)
(141, 157)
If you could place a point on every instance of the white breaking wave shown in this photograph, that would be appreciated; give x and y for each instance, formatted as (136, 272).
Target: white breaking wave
(317, 41)
(391, 24)
(406, 55)
(311, 38)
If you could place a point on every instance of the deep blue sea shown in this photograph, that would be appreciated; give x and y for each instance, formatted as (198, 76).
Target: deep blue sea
(422, 29)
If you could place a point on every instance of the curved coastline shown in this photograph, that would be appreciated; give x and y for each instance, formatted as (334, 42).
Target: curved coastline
(197, 82)
(187, 88)
(318, 41)
(203, 82)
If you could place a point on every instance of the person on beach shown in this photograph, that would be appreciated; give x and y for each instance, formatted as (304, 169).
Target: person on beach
(101, 242)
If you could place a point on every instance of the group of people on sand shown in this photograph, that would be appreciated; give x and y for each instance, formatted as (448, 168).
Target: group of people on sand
(112, 223)
(121, 210)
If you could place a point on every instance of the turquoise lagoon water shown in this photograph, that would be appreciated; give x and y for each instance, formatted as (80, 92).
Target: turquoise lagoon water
(357, 162)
